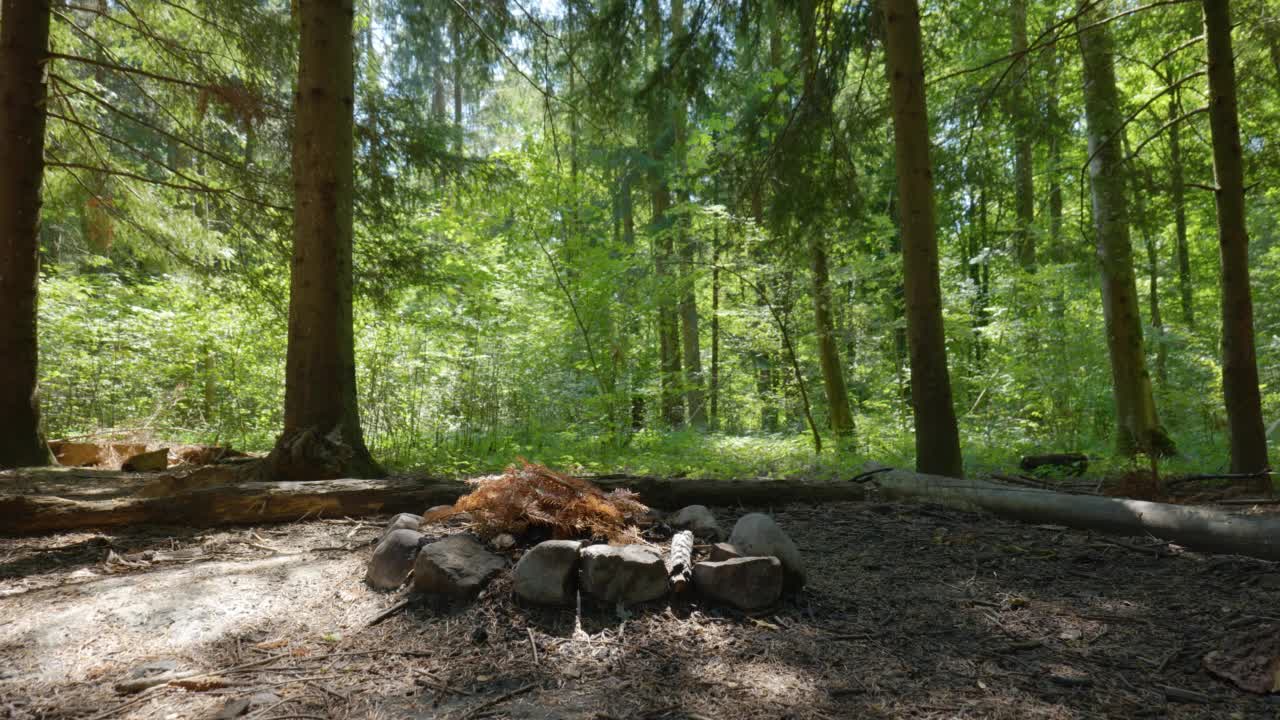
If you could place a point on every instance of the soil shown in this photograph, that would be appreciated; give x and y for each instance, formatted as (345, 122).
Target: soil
(911, 611)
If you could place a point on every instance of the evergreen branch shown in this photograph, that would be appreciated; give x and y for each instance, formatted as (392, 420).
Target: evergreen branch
(148, 157)
(516, 66)
(1160, 131)
(126, 69)
(1169, 55)
(105, 202)
(107, 105)
(1041, 43)
(1133, 115)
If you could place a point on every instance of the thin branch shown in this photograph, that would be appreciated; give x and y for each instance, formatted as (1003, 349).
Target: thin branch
(195, 182)
(1125, 124)
(126, 69)
(1160, 131)
(1169, 55)
(515, 66)
(225, 160)
(1042, 44)
(106, 203)
(129, 175)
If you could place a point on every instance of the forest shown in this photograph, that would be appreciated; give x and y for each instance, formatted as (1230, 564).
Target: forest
(705, 240)
(504, 304)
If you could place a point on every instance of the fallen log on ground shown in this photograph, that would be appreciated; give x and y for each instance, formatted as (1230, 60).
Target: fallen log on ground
(1197, 528)
(212, 497)
(217, 495)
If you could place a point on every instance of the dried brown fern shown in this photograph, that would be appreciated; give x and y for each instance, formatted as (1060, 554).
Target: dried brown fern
(531, 495)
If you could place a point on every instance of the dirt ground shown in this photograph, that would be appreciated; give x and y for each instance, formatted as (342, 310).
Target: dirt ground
(910, 612)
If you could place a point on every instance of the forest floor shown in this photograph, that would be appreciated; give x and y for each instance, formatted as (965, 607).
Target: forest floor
(911, 611)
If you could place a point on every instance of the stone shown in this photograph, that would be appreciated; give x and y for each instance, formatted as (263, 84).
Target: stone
(153, 461)
(548, 573)
(698, 519)
(235, 707)
(403, 521)
(149, 674)
(393, 558)
(747, 583)
(724, 551)
(624, 575)
(455, 568)
(758, 535)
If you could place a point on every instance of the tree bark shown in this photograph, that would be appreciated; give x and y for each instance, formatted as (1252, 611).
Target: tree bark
(1153, 281)
(695, 392)
(1054, 133)
(1193, 527)
(663, 244)
(1138, 428)
(1020, 114)
(1239, 361)
(219, 500)
(937, 436)
(1178, 192)
(320, 377)
(455, 39)
(24, 45)
(839, 413)
(815, 119)
(715, 331)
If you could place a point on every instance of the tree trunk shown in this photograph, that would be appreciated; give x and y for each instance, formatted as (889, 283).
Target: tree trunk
(715, 330)
(24, 43)
(1196, 528)
(1020, 114)
(937, 437)
(840, 416)
(1153, 276)
(1178, 191)
(1054, 133)
(455, 39)
(663, 244)
(1138, 427)
(1239, 362)
(320, 377)
(221, 500)
(815, 120)
(695, 393)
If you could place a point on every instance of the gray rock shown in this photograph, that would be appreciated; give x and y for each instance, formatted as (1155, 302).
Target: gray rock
(699, 520)
(724, 551)
(403, 521)
(393, 559)
(149, 674)
(455, 568)
(548, 573)
(629, 574)
(747, 583)
(757, 535)
(236, 707)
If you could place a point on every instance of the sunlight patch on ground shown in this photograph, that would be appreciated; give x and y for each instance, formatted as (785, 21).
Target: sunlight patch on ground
(174, 611)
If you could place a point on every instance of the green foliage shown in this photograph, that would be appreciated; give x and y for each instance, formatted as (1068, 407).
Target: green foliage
(506, 268)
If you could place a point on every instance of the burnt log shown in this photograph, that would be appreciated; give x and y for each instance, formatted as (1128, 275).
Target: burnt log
(1074, 463)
